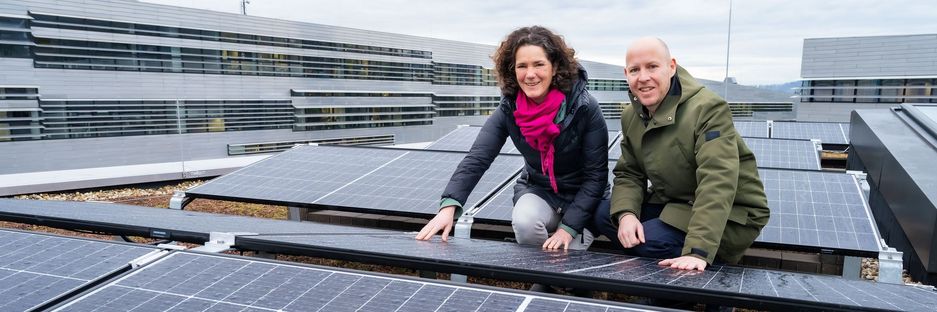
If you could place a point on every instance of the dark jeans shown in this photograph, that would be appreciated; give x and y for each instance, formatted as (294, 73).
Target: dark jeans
(660, 239)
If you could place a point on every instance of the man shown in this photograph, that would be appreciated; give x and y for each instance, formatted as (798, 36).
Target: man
(706, 202)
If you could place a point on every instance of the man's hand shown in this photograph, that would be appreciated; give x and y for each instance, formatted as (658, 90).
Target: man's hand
(559, 239)
(442, 221)
(685, 263)
(630, 231)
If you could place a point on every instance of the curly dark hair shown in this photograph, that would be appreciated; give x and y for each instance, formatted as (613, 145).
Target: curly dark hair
(560, 55)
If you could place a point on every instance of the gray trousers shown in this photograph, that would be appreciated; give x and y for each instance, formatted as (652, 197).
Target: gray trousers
(533, 219)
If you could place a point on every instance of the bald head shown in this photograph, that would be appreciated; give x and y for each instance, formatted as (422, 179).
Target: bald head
(649, 43)
(649, 68)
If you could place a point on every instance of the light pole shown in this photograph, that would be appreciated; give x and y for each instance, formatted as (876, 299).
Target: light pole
(244, 4)
(728, 40)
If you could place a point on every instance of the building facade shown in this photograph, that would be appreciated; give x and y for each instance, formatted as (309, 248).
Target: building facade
(844, 74)
(143, 83)
(116, 83)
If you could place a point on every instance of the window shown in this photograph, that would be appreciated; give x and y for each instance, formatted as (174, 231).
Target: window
(892, 91)
(845, 91)
(868, 91)
(919, 90)
(821, 91)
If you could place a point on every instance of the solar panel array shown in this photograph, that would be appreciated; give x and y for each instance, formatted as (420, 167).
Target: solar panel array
(406, 182)
(785, 154)
(729, 285)
(198, 282)
(753, 129)
(823, 209)
(826, 132)
(35, 268)
(809, 209)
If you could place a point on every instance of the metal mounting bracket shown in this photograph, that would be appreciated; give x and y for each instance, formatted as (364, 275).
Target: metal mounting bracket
(220, 241)
(179, 200)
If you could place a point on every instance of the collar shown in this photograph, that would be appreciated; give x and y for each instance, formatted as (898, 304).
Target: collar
(666, 111)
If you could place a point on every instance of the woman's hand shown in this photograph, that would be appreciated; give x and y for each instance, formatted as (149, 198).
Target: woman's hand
(559, 239)
(442, 221)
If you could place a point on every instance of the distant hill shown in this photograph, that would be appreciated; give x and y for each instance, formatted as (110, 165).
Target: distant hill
(786, 88)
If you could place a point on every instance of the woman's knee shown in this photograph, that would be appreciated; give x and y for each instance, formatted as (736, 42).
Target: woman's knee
(530, 218)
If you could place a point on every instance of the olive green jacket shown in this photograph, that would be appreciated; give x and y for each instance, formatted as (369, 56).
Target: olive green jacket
(697, 165)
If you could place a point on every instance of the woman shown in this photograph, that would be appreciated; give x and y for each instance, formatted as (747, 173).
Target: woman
(558, 128)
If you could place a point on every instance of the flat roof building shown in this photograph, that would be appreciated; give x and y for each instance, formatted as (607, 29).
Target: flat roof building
(848, 73)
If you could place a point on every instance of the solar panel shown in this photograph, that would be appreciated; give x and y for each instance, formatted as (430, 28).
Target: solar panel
(181, 225)
(36, 269)
(826, 132)
(299, 175)
(754, 129)
(614, 149)
(461, 140)
(729, 285)
(412, 183)
(784, 153)
(824, 210)
(389, 181)
(498, 208)
(188, 282)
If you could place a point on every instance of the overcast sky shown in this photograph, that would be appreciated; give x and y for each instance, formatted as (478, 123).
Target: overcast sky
(767, 35)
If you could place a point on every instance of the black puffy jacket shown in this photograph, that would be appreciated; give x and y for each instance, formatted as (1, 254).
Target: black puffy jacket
(580, 159)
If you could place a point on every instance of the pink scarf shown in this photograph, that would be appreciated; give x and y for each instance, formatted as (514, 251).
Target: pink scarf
(538, 129)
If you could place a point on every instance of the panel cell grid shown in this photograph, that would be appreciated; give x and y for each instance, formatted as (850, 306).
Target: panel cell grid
(189, 282)
(784, 154)
(412, 183)
(821, 209)
(300, 175)
(615, 272)
(826, 132)
(35, 269)
(753, 129)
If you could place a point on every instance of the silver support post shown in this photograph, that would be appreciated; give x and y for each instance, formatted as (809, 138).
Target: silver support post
(463, 229)
(890, 266)
(463, 226)
(296, 213)
(819, 147)
(852, 267)
(862, 177)
(179, 200)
